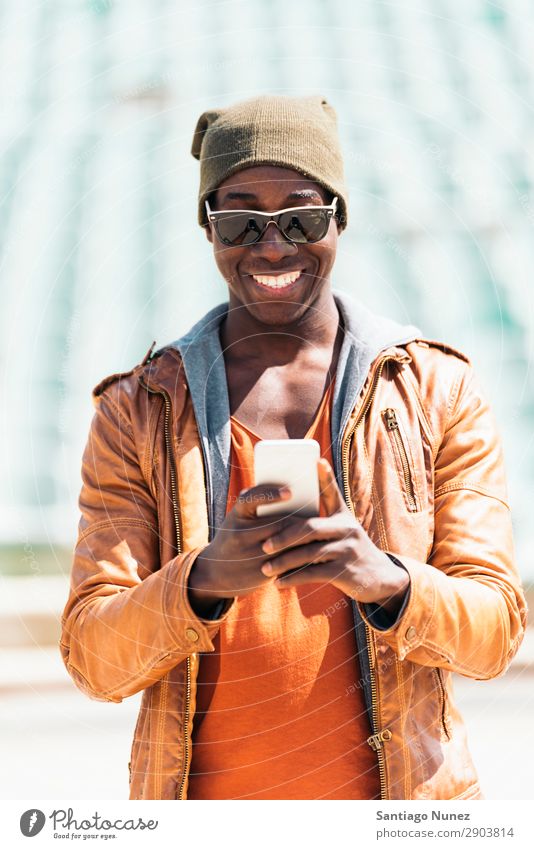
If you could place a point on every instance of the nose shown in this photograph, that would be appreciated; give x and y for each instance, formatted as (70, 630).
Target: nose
(273, 246)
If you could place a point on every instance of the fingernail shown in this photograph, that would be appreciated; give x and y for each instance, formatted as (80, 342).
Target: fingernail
(284, 491)
(267, 568)
(268, 546)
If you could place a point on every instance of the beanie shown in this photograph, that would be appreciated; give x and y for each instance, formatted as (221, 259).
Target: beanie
(291, 132)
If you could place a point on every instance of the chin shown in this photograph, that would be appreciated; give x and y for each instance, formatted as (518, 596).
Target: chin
(279, 313)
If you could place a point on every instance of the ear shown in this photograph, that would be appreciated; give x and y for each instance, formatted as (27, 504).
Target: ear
(340, 221)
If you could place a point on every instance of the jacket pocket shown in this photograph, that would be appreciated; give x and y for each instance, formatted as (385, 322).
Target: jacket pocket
(400, 448)
(444, 718)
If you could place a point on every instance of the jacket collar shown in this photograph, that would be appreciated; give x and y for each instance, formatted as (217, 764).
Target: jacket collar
(198, 353)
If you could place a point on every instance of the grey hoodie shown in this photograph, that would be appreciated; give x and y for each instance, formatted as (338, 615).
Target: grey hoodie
(366, 334)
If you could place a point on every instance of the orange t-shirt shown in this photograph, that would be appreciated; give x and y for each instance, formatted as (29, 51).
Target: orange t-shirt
(280, 714)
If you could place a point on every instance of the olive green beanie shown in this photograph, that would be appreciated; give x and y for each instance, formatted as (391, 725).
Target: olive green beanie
(292, 132)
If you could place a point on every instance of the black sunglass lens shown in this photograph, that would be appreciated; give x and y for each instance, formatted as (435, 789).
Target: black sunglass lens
(306, 225)
(238, 229)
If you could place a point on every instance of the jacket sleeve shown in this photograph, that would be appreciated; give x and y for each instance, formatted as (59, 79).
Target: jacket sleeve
(127, 620)
(465, 609)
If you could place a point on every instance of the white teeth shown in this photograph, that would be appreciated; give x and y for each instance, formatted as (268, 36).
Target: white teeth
(279, 281)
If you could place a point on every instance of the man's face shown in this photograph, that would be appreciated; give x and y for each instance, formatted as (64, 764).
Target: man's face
(269, 188)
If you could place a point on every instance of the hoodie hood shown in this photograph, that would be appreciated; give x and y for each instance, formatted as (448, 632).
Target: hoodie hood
(366, 335)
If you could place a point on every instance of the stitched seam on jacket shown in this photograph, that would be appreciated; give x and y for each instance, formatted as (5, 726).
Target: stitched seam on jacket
(470, 790)
(455, 396)
(119, 412)
(150, 452)
(438, 649)
(451, 406)
(405, 753)
(408, 378)
(174, 586)
(415, 602)
(135, 739)
(156, 498)
(71, 666)
(417, 746)
(458, 667)
(438, 440)
(146, 743)
(138, 674)
(376, 503)
(467, 485)
(121, 520)
(158, 759)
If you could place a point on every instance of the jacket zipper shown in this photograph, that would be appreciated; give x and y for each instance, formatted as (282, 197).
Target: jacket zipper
(392, 425)
(176, 511)
(378, 737)
(443, 703)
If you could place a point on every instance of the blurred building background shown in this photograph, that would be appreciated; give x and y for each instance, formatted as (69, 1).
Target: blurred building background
(100, 252)
(100, 249)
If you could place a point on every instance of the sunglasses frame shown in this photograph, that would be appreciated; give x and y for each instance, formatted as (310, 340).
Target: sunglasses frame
(214, 215)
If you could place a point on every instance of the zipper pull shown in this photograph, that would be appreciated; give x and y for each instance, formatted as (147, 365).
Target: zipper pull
(375, 740)
(391, 419)
(148, 354)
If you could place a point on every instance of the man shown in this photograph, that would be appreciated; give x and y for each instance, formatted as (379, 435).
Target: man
(289, 658)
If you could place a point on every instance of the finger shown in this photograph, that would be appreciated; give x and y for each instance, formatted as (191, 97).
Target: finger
(300, 531)
(304, 555)
(315, 573)
(331, 496)
(249, 499)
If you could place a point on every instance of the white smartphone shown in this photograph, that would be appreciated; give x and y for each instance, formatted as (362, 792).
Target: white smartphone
(292, 462)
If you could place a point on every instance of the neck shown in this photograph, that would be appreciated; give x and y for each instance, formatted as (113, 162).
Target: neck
(245, 336)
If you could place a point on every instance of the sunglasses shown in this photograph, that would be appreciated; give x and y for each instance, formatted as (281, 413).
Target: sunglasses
(299, 224)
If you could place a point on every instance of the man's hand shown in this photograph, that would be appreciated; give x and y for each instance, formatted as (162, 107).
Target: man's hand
(230, 565)
(248, 551)
(334, 549)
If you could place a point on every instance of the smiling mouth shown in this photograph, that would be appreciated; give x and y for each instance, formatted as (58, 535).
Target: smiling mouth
(277, 281)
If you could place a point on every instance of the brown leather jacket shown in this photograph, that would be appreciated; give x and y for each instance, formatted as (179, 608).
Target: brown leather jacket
(423, 471)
